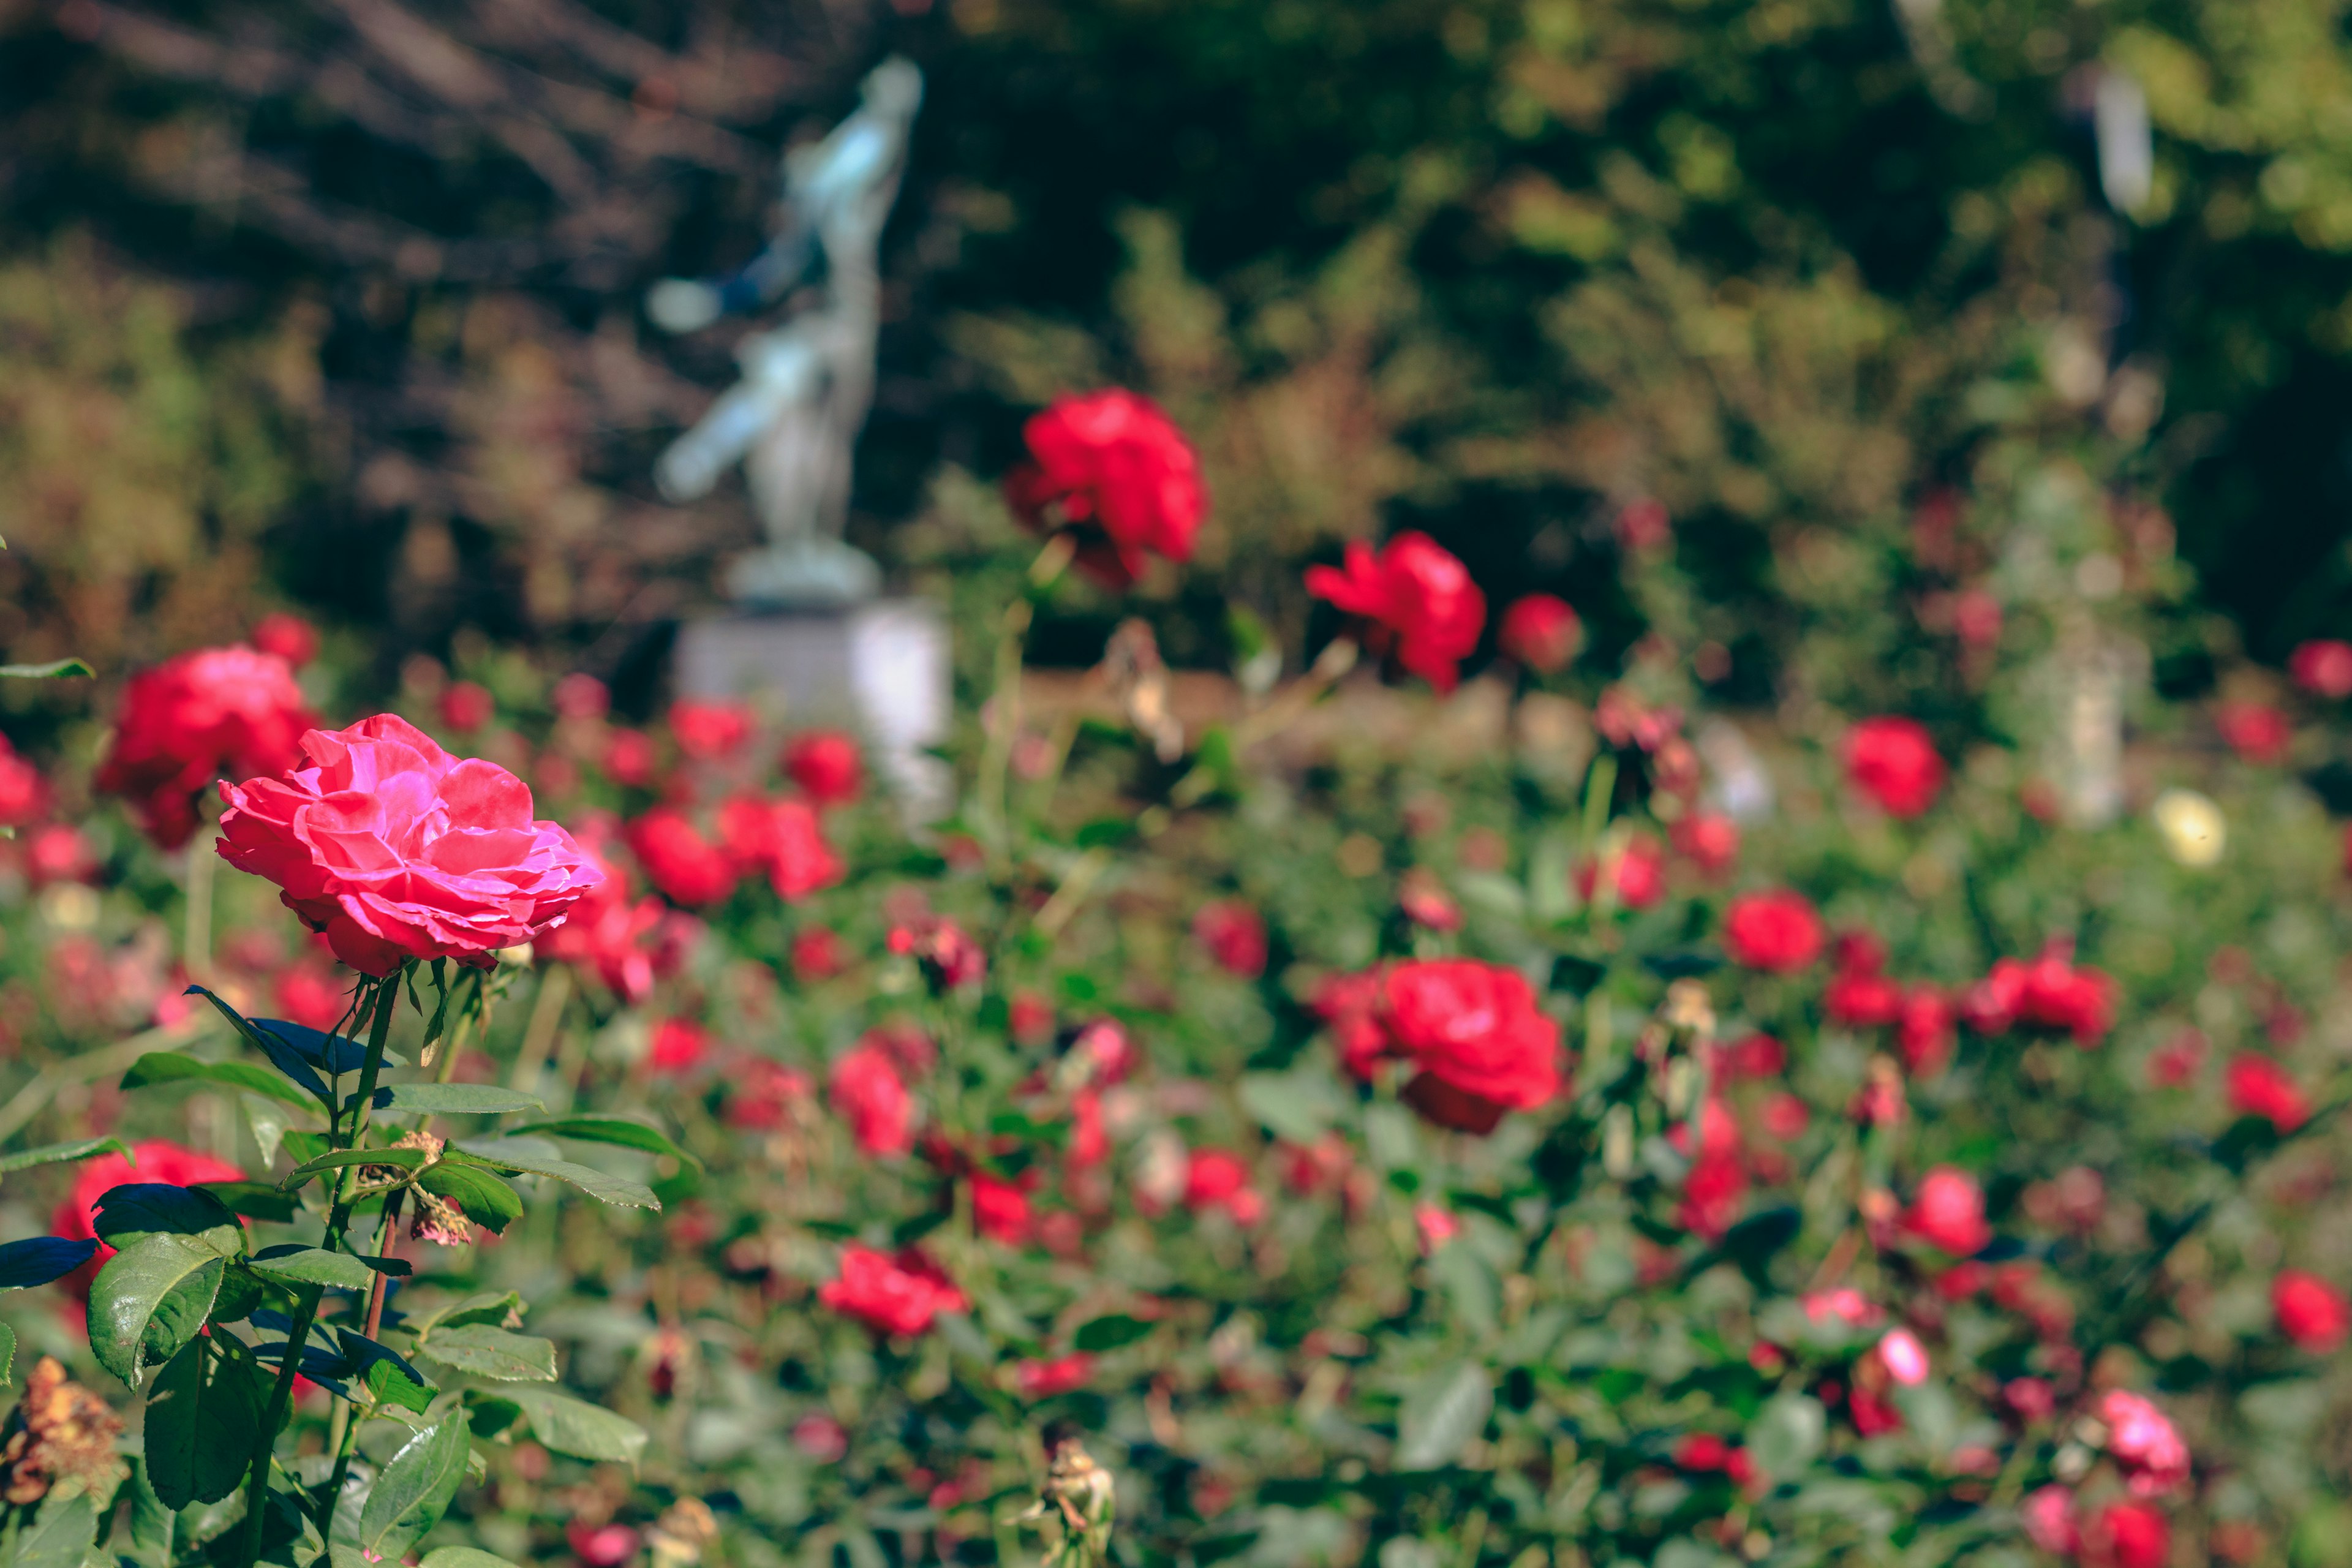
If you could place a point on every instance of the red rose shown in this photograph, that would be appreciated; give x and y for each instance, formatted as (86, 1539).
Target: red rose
(1893, 762)
(1542, 632)
(1775, 931)
(710, 731)
(1000, 1209)
(59, 852)
(1702, 1451)
(2143, 1440)
(1708, 841)
(2258, 733)
(678, 860)
(1756, 1056)
(601, 1546)
(154, 1161)
(827, 766)
(2323, 668)
(1863, 1001)
(1417, 596)
(2311, 1312)
(1214, 1179)
(678, 1046)
(465, 707)
(629, 758)
(2127, 1535)
(1349, 1005)
(1235, 935)
(291, 638)
(898, 1295)
(1948, 1212)
(1474, 1030)
(1044, 1379)
(1112, 466)
(2258, 1085)
(1711, 1196)
(1925, 1031)
(782, 837)
(23, 794)
(185, 722)
(1640, 874)
(868, 1093)
(397, 850)
(307, 994)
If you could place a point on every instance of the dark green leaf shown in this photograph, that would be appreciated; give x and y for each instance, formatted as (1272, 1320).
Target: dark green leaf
(203, 1415)
(54, 669)
(384, 1374)
(1442, 1415)
(415, 1489)
(41, 1258)
(299, 1265)
(1109, 1333)
(499, 1310)
(1787, 1434)
(584, 1431)
(136, 1210)
(462, 1557)
(151, 1522)
(335, 1160)
(282, 1056)
(172, 1067)
(149, 1301)
(615, 1129)
(333, 1054)
(485, 1351)
(58, 1153)
(59, 1536)
(499, 1155)
(490, 1415)
(254, 1200)
(455, 1099)
(487, 1201)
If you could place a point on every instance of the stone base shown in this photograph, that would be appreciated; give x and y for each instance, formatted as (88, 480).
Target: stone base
(880, 670)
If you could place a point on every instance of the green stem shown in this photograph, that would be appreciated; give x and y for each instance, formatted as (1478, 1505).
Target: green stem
(346, 1439)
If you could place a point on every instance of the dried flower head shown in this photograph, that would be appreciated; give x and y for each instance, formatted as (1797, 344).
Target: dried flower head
(59, 1432)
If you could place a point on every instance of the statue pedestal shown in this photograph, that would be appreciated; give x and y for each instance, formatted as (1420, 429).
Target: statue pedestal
(880, 670)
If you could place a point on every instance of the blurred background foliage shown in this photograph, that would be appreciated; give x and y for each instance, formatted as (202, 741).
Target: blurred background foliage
(349, 292)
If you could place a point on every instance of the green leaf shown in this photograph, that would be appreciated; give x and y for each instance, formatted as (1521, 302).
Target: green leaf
(41, 1258)
(581, 1430)
(1442, 1415)
(149, 1301)
(203, 1418)
(1110, 1332)
(281, 1055)
(490, 1415)
(462, 1557)
(615, 1129)
(173, 1067)
(416, 1489)
(455, 1099)
(299, 1265)
(335, 1160)
(498, 1309)
(1301, 1105)
(59, 1535)
(1470, 1284)
(1787, 1434)
(384, 1374)
(57, 669)
(7, 1355)
(254, 1200)
(151, 1522)
(499, 1154)
(332, 1054)
(58, 1153)
(487, 1201)
(136, 1210)
(487, 1351)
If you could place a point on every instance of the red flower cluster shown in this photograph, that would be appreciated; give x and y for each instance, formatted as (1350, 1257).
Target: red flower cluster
(397, 850)
(1893, 762)
(23, 794)
(1641, 880)
(871, 1097)
(1113, 468)
(710, 731)
(2311, 1311)
(1235, 935)
(782, 837)
(465, 707)
(1217, 1179)
(678, 1047)
(1473, 1030)
(1707, 840)
(946, 952)
(685, 866)
(1948, 1212)
(1776, 931)
(1861, 996)
(2259, 733)
(2050, 993)
(1418, 598)
(291, 638)
(2323, 668)
(2257, 1086)
(827, 765)
(1044, 1379)
(900, 1295)
(185, 722)
(1542, 632)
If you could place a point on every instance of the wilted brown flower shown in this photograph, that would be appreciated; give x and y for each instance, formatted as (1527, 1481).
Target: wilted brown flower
(59, 1431)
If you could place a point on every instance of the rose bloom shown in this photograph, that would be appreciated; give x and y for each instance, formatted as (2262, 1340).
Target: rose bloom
(1863, 1000)
(1904, 1357)
(1044, 1379)
(185, 722)
(2311, 1312)
(898, 1295)
(1214, 1179)
(1418, 597)
(1948, 1212)
(1775, 931)
(1707, 840)
(762, 1093)
(1640, 874)
(1000, 1209)
(710, 731)
(2323, 668)
(1475, 1032)
(307, 994)
(943, 948)
(1926, 1033)
(1235, 935)
(291, 638)
(465, 707)
(684, 866)
(1893, 762)
(629, 758)
(154, 1160)
(1542, 632)
(1756, 1055)
(2125, 1535)
(23, 794)
(1349, 1005)
(1711, 1196)
(868, 1093)
(782, 837)
(397, 850)
(2142, 1439)
(2258, 733)
(2047, 1515)
(2257, 1086)
(2050, 993)
(678, 1046)
(1115, 469)
(827, 766)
